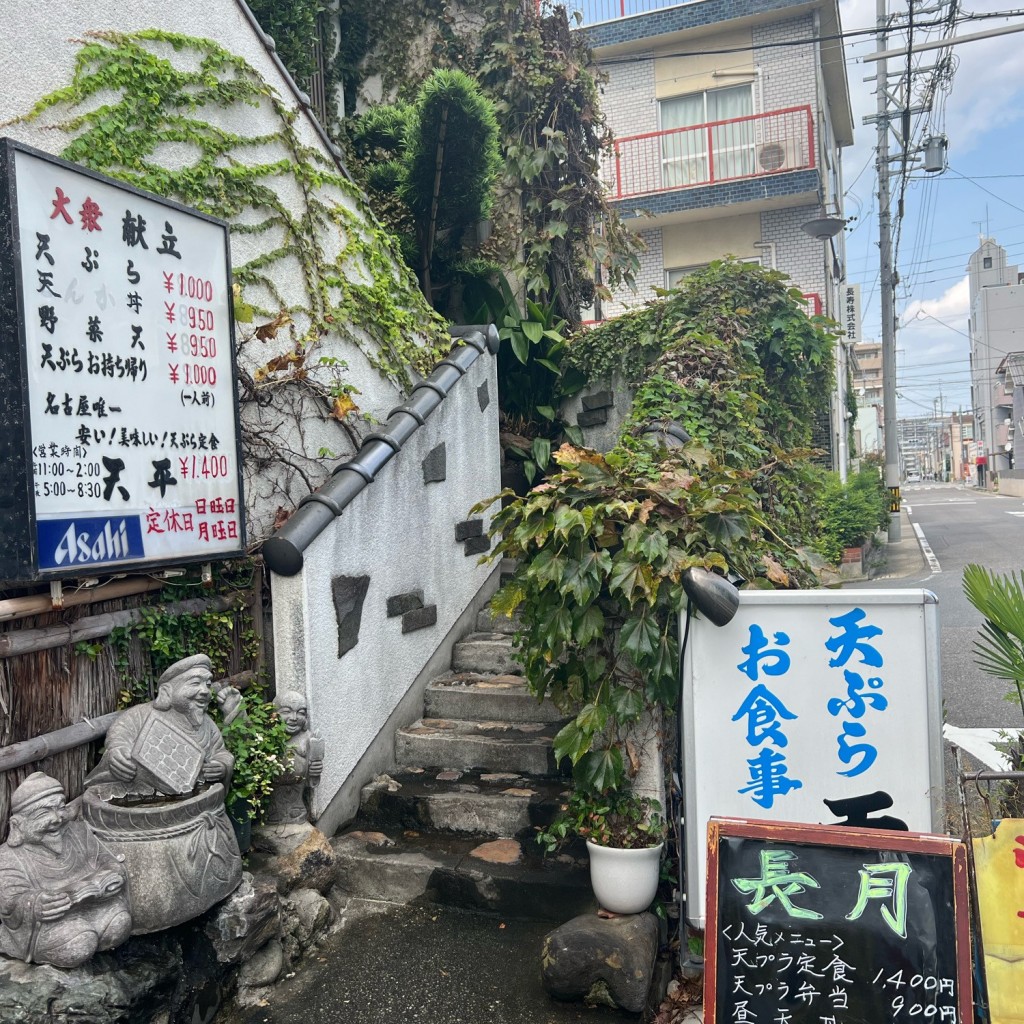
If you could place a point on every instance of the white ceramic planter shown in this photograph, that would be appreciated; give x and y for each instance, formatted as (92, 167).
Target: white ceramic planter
(624, 881)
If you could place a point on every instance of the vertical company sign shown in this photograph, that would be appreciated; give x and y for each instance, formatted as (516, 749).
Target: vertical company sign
(120, 321)
(851, 312)
(808, 696)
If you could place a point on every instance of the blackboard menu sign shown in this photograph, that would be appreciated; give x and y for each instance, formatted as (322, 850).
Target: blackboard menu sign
(810, 924)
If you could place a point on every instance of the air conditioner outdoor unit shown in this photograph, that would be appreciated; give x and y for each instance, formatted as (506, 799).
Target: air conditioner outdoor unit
(781, 155)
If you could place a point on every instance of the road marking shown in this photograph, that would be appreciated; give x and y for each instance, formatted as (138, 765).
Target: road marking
(948, 501)
(933, 562)
(981, 744)
(1009, 513)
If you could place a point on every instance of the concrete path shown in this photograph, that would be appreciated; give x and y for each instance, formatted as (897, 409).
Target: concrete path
(482, 970)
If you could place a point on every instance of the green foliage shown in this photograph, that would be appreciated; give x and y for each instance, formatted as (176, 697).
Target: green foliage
(999, 651)
(732, 356)
(616, 819)
(849, 514)
(601, 547)
(554, 229)
(999, 648)
(560, 231)
(154, 87)
(437, 157)
(258, 741)
(293, 25)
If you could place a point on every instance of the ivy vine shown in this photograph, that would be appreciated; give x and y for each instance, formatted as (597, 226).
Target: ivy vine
(354, 283)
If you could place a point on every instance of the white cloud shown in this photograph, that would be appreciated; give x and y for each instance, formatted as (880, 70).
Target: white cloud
(952, 306)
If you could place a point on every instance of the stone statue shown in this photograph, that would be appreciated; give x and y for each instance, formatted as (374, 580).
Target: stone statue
(170, 744)
(157, 797)
(63, 897)
(288, 802)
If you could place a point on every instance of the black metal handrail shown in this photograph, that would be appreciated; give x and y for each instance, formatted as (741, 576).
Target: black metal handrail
(283, 551)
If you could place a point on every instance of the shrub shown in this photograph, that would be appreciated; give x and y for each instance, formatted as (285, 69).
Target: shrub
(850, 513)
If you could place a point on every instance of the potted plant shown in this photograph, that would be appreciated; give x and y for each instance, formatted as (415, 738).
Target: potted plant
(625, 836)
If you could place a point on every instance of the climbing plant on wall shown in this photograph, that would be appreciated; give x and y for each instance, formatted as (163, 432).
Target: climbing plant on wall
(733, 356)
(155, 134)
(319, 275)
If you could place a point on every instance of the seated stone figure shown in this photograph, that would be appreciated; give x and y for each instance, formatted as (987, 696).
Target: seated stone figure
(157, 797)
(169, 744)
(288, 802)
(63, 897)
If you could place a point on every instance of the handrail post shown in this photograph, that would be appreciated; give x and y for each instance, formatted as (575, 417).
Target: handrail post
(711, 157)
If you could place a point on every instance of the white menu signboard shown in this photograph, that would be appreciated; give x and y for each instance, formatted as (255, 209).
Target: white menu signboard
(811, 696)
(128, 332)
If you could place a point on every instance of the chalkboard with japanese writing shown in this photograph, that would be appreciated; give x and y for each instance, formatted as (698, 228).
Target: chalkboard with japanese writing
(816, 925)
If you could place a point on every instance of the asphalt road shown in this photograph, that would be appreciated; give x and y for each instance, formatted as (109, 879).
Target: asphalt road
(962, 526)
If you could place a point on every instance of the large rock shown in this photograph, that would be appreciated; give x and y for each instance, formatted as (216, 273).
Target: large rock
(298, 856)
(131, 985)
(309, 915)
(602, 960)
(247, 920)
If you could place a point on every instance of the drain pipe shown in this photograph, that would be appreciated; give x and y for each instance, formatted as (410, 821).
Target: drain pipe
(283, 551)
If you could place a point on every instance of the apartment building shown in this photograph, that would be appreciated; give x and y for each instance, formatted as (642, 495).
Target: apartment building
(997, 361)
(728, 119)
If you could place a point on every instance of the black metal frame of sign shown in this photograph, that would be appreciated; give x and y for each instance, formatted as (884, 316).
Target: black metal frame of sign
(812, 923)
(19, 539)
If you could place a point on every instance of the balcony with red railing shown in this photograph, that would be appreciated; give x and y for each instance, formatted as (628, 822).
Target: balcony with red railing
(593, 12)
(758, 146)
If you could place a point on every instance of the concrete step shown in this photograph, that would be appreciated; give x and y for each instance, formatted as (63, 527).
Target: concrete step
(496, 876)
(499, 804)
(482, 698)
(488, 621)
(496, 746)
(485, 652)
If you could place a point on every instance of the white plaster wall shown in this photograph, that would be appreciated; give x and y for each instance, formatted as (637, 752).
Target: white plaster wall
(401, 533)
(38, 48)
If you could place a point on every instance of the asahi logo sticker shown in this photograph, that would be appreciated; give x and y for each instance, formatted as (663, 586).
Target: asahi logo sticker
(93, 541)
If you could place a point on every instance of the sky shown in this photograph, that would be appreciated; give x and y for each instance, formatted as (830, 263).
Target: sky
(981, 193)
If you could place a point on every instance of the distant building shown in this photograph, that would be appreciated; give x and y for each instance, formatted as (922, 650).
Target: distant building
(866, 380)
(996, 332)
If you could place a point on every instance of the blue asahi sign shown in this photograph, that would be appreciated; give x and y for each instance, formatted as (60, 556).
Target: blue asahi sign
(64, 543)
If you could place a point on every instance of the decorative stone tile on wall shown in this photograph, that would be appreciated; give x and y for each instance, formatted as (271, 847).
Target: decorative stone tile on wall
(435, 465)
(483, 396)
(348, 593)
(402, 603)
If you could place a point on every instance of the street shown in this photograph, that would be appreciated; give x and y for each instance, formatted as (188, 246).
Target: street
(961, 526)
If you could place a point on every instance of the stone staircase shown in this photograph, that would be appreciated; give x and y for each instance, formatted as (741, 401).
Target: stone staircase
(454, 823)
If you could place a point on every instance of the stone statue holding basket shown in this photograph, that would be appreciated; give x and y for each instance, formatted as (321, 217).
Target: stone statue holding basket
(157, 798)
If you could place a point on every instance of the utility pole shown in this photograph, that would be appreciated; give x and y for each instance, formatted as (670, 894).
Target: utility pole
(888, 296)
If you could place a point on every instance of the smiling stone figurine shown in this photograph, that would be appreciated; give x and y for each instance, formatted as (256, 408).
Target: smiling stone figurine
(62, 895)
(157, 798)
(288, 802)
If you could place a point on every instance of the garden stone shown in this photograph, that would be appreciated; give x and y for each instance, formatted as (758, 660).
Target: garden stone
(298, 856)
(156, 800)
(598, 959)
(128, 986)
(309, 916)
(245, 921)
(63, 896)
(264, 967)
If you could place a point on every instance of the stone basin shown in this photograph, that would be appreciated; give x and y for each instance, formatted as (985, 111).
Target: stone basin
(181, 856)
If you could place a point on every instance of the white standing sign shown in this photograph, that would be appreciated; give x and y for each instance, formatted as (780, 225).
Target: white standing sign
(128, 334)
(809, 696)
